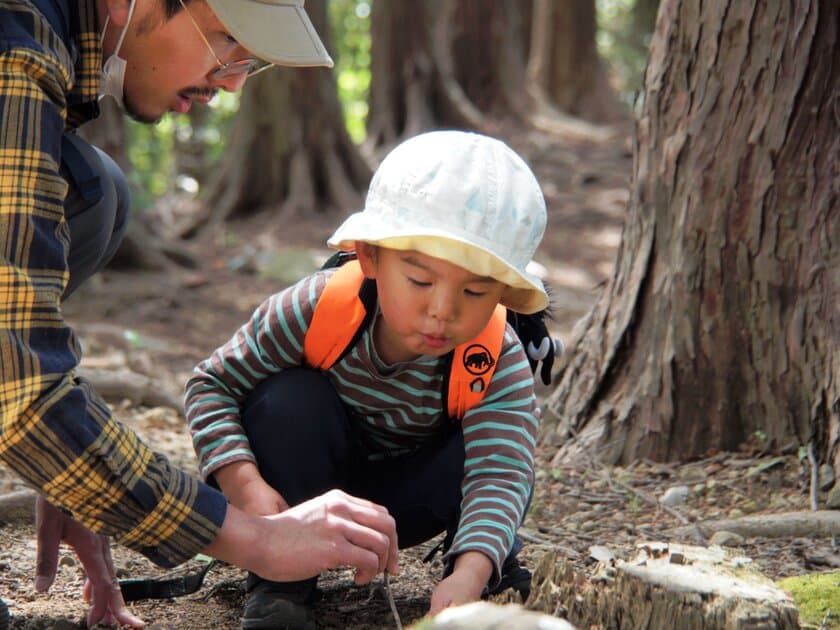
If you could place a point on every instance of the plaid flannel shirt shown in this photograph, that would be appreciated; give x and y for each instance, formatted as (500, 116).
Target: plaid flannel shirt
(55, 431)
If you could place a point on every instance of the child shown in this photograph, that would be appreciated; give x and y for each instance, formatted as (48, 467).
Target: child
(450, 223)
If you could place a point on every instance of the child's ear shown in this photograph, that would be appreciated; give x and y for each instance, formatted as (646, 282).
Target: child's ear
(367, 255)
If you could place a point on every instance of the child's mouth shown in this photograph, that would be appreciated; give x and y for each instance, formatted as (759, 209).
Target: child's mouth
(435, 341)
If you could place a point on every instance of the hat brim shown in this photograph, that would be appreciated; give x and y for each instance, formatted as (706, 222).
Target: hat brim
(525, 292)
(273, 30)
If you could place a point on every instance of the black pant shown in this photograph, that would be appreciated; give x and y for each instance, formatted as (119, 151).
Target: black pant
(305, 445)
(96, 208)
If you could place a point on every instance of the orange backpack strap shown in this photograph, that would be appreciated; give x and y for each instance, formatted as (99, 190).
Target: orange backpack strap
(339, 315)
(473, 365)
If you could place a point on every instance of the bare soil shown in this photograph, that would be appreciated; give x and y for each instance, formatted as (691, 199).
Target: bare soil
(161, 323)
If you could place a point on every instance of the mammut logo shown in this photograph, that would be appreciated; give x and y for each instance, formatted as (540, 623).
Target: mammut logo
(478, 360)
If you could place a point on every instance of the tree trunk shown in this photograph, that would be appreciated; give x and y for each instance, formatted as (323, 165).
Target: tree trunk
(289, 146)
(721, 318)
(564, 64)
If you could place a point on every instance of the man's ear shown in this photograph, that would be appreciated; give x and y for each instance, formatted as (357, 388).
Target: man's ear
(367, 255)
(118, 11)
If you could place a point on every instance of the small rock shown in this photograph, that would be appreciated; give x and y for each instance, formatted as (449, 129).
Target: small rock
(487, 615)
(601, 553)
(826, 477)
(67, 561)
(675, 495)
(735, 513)
(832, 502)
(749, 506)
(726, 539)
(693, 475)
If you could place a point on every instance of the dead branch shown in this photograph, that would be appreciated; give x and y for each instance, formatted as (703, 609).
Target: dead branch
(17, 507)
(823, 523)
(139, 388)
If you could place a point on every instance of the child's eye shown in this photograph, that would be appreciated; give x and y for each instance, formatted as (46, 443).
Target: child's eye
(474, 293)
(419, 283)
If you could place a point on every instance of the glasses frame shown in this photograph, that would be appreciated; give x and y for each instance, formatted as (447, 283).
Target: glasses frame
(249, 66)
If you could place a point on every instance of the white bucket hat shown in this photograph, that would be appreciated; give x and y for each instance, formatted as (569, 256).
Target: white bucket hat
(462, 197)
(278, 31)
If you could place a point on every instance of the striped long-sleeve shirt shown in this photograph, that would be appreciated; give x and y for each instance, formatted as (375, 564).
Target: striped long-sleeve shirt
(55, 431)
(398, 405)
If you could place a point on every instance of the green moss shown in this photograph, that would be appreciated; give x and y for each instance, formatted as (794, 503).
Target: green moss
(816, 594)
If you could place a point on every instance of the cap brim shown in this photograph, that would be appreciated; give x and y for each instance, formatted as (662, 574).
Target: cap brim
(525, 294)
(273, 30)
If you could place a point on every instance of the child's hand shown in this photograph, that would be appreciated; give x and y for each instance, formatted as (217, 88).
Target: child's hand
(464, 585)
(245, 488)
(260, 499)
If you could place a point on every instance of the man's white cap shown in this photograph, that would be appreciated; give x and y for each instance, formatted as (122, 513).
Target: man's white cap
(278, 31)
(461, 197)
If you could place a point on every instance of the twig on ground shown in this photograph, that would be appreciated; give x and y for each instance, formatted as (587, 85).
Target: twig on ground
(824, 624)
(391, 602)
(812, 460)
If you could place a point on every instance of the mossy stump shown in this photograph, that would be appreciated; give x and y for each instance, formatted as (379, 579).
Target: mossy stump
(664, 586)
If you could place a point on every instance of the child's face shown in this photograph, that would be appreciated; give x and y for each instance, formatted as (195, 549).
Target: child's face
(428, 305)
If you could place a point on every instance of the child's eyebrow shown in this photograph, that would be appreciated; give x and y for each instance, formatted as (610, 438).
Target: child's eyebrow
(411, 260)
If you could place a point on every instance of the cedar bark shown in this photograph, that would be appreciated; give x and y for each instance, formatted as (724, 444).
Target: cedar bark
(564, 64)
(721, 318)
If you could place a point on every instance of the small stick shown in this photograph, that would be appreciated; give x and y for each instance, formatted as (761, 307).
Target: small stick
(391, 602)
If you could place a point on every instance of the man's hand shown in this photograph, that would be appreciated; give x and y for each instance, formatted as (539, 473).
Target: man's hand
(102, 588)
(329, 531)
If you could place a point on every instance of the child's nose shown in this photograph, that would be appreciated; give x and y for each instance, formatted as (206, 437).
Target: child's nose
(442, 306)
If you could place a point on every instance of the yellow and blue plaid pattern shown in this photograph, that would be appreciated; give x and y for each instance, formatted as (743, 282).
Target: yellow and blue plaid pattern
(55, 431)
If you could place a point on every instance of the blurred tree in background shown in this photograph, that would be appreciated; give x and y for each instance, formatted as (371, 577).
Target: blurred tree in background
(487, 49)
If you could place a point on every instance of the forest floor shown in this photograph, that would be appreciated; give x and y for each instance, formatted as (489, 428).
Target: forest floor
(159, 324)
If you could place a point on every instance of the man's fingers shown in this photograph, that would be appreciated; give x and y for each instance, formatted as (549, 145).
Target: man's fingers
(109, 607)
(376, 518)
(370, 551)
(49, 524)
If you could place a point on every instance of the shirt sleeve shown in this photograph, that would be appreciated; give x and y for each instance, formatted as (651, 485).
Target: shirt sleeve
(272, 340)
(499, 441)
(55, 431)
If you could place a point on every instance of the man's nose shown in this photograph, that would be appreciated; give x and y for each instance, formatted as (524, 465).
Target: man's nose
(232, 83)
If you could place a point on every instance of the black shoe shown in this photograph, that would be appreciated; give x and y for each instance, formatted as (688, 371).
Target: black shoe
(281, 605)
(4, 615)
(514, 576)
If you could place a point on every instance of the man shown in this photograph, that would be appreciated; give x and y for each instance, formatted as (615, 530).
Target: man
(63, 210)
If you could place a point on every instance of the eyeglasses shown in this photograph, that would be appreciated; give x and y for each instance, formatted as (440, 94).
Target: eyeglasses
(249, 66)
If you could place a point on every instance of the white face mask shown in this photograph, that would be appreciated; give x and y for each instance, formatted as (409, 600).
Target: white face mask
(113, 70)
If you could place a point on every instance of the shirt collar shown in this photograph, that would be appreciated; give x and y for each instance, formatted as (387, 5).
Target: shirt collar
(87, 62)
